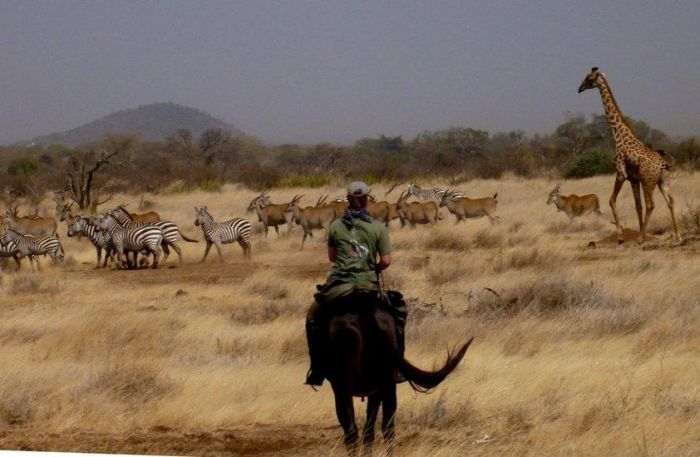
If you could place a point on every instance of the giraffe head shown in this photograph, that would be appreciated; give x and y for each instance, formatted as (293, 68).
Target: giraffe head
(591, 80)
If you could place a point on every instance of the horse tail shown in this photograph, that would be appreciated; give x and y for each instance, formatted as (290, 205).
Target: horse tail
(184, 237)
(423, 381)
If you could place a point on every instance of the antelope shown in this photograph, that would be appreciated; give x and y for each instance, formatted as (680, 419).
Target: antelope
(573, 205)
(465, 208)
(30, 225)
(144, 218)
(338, 208)
(264, 198)
(312, 217)
(416, 212)
(273, 215)
(381, 211)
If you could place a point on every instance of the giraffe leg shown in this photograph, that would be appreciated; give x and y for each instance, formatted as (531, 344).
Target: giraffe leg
(637, 201)
(613, 200)
(666, 193)
(649, 202)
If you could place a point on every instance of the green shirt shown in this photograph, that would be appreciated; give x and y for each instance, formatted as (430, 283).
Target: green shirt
(357, 249)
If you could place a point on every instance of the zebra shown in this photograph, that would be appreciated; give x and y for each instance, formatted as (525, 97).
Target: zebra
(170, 232)
(431, 194)
(31, 246)
(101, 240)
(10, 250)
(146, 238)
(219, 233)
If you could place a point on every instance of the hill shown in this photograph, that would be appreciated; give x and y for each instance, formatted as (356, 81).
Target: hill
(151, 122)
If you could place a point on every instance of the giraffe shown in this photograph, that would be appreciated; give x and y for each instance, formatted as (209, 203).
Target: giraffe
(634, 160)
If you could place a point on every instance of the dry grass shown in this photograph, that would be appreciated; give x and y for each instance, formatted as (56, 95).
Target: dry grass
(579, 351)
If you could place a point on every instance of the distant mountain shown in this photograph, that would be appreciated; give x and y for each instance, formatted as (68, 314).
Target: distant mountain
(151, 122)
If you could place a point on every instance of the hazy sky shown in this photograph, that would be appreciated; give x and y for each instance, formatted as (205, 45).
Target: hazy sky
(301, 71)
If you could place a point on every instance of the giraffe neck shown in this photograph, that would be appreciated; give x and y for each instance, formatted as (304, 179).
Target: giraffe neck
(621, 130)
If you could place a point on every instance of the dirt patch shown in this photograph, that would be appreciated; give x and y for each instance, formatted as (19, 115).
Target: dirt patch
(628, 236)
(209, 273)
(257, 439)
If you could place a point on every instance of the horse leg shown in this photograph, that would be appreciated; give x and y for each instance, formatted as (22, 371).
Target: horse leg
(346, 416)
(218, 250)
(206, 251)
(373, 402)
(179, 253)
(246, 248)
(99, 256)
(166, 252)
(388, 413)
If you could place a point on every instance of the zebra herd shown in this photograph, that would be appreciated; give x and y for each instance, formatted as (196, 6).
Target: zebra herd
(120, 234)
(123, 236)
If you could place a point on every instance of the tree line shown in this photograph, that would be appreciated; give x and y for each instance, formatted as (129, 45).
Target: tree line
(88, 175)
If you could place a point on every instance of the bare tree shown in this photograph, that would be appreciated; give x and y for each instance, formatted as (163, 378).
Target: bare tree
(80, 178)
(9, 197)
(183, 140)
(34, 196)
(212, 140)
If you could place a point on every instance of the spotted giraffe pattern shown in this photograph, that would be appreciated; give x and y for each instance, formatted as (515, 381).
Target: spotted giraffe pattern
(634, 160)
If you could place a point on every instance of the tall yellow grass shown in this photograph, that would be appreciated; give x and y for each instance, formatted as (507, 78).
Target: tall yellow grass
(578, 351)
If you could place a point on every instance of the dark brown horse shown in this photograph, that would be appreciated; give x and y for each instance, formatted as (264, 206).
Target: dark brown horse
(362, 360)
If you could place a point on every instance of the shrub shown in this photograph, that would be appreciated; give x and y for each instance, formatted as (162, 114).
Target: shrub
(690, 221)
(313, 181)
(209, 185)
(23, 166)
(592, 162)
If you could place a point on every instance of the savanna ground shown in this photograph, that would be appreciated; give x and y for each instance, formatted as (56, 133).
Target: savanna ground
(580, 350)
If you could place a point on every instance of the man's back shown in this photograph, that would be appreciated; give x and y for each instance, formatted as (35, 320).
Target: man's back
(357, 247)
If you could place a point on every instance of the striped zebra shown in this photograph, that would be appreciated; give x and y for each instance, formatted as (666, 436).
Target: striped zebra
(101, 240)
(10, 250)
(170, 230)
(32, 246)
(435, 193)
(146, 238)
(218, 233)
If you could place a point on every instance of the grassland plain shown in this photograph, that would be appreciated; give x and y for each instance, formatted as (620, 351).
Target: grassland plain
(578, 350)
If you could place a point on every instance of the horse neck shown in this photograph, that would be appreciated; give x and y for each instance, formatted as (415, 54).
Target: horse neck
(207, 222)
(124, 218)
(113, 224)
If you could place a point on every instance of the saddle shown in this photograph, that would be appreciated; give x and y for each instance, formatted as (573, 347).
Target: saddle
(336, 297)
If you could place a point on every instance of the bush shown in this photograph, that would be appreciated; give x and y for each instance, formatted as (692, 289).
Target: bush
(23, 166)
(313, 181)
(592, 162)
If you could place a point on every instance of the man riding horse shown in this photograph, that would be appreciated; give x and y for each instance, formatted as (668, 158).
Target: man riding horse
(360, 249)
